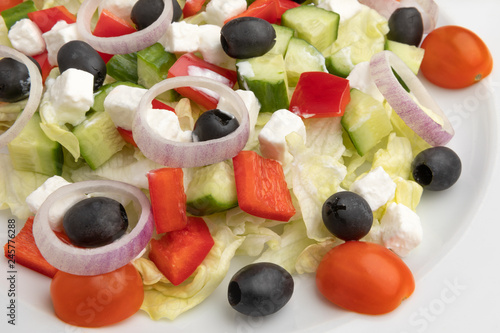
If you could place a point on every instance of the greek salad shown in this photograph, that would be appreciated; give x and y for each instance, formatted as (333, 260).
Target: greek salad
(149, 143)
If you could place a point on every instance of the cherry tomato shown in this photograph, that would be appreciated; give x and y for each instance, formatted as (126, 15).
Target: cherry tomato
(455, 57)
(100, 300)
(364, 277)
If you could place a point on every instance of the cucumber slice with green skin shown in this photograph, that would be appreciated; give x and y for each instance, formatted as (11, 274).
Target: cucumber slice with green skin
(153, 64)
(266, 77)
(411, 55)
(103, 92)
(340, 63)
(123, 67)
(212, 190)
(18, 12)
(283, 36)
(302, 57)
(33, 151)
(366, 121)
(99, 139)
(316, 25)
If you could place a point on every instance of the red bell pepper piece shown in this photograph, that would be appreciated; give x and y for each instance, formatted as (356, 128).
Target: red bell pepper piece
(182, 67)
(43, 61)
(264, 9)
(22, 248)
(6, 4)
(192, 7)
(127, 134)
(178, 253)
(261, 187)
(284, 5)
(168, 199)
(46, 18)
(110, 25)
(320, 95)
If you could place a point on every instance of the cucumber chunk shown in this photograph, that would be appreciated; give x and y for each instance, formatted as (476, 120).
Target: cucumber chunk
(411, 55)
(340, 63)
(123, 67)
(99, 139)
(33, 151)
(18, 12)
(212, 190)
(266, 77)
(283, 35)
(153, 64)
(366, 121)
(302, 57)
(316, 25)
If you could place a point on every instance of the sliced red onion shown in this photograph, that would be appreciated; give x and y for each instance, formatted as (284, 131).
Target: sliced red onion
(99, 260)
(404, 105)
(36, 89)
(190, 154)
(122, 44)
(429, 10)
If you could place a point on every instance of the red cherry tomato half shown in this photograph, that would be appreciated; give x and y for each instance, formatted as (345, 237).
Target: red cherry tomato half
(455, 57)
(364, 277)
(100, 300)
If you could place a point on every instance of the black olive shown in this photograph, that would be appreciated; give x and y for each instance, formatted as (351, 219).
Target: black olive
(15, 80)
(146, 12)
(95, 222)
(260, 289)
(299, 1)
(80, 55)
(347, 215)
(436, 168)
(247, 37)
(406, 26)
(214, 124)
(177, 11)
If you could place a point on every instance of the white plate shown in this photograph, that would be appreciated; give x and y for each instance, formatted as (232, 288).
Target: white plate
(455, 267)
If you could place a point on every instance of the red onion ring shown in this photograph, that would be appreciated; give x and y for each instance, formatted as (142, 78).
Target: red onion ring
(413, 115)
(122, 44)
(36, 89)
(190, 154)
(99, 260)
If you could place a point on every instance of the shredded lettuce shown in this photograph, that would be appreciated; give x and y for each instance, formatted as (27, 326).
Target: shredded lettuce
(396, 159)
(15, 186)
(164, 300)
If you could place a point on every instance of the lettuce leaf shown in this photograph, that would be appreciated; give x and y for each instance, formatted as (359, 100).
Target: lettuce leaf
(164, 300)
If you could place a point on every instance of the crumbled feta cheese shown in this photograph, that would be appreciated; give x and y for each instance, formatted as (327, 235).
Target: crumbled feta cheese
(401, 229)
(26, 37)
(345, 8)
(376, 187)
(181, 37)
(361, 79)
(219, 11)
(120, 8)
(211, 48)
(71, 95)
(121, 104)
(166, 124)
(272, 137)
(38, 196)
(60, 34)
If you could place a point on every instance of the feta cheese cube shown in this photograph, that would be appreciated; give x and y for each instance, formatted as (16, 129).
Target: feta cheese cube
(345, 8)
(71, 96)
(166, 124)
(181, 37)
(220, 10)
(376, 187)
(121, 104)
(272, 137)
(38, 196)
(401, 229)
(60, 34)
(26, 37)
(120, 8)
